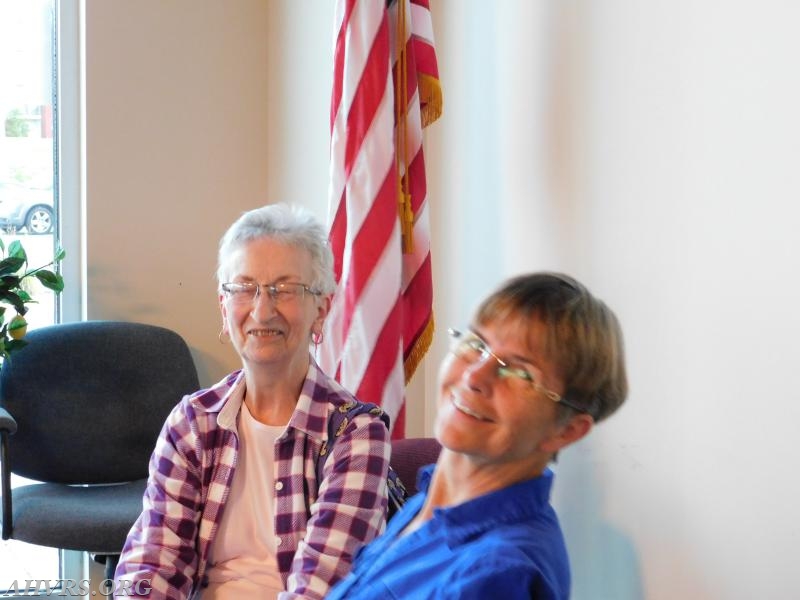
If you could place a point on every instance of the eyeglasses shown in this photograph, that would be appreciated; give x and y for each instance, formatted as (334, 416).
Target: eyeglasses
(471, 348)
(279, 293)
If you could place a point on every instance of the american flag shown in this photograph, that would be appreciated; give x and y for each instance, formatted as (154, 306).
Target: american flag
(385, 90)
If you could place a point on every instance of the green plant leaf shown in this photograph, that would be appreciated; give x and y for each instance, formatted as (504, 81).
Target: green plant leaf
(9, 282)
(14, 299)
(13, 273)
(50, 280)
(15, 249)
(10, 265)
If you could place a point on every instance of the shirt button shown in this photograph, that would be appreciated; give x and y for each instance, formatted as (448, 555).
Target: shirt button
(279, 485)
(278, 541)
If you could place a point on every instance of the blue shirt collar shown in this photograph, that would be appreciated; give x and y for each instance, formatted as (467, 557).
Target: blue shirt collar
(467, 521)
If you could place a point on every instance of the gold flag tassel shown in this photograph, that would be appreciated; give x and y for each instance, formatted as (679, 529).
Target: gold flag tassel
(430, 98)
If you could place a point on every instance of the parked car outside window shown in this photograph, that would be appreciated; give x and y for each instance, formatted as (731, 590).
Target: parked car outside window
(24, 207)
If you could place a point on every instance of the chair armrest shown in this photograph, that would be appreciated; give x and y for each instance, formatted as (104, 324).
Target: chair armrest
(8, 427)
(7, 422)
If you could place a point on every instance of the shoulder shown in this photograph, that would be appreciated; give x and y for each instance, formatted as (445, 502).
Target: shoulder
(342, 410)
(355, 428)
(196, 414)
(504, 576)
(323, 388)
(511, 564)
(528, 554)
(212, 399)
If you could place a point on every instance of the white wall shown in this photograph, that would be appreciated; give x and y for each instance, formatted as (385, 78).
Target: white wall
(648, 148)
(651, 150)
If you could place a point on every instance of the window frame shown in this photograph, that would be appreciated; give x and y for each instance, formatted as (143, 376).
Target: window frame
(69, 157)
(69, 174)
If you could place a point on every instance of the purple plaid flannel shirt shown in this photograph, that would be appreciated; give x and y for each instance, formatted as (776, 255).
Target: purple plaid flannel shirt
(319, 525)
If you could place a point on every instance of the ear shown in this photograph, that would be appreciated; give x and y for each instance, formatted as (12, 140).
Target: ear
(323, 305)
(570, 432)
(223, 311)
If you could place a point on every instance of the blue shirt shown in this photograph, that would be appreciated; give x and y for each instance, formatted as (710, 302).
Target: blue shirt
(506, 544)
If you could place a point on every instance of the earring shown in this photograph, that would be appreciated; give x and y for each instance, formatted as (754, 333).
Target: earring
(220, 337)
(316, 338)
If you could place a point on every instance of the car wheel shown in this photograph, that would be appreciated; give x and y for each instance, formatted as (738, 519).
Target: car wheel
(39, 220)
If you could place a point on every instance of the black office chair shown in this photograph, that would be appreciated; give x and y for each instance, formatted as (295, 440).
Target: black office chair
(80, 409)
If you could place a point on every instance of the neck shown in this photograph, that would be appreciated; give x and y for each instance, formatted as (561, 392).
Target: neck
(459, 478)
(272, 397)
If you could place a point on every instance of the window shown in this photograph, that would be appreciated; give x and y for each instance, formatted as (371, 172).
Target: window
(29, 191)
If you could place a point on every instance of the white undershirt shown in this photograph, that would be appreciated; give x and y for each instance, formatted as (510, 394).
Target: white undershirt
(242, 561)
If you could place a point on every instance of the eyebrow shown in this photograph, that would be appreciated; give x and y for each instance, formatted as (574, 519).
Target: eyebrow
(281, 279)
(512, 359)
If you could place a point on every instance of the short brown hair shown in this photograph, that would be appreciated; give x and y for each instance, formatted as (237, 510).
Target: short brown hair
(584, 336)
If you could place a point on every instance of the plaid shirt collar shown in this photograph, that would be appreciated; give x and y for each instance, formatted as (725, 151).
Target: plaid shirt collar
(311, 412)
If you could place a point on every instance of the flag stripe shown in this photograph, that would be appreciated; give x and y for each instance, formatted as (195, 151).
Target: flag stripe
(371, 89)
(369, 242)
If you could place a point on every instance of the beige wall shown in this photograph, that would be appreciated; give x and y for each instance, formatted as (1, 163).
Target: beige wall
(177, 147)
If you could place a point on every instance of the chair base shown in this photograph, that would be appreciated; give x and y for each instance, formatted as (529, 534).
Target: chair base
(110, 561)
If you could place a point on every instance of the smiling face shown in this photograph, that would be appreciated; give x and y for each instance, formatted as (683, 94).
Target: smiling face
(266, 334)
(483, 415)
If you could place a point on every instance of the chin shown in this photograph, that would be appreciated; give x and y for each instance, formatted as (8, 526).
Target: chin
(449, 436)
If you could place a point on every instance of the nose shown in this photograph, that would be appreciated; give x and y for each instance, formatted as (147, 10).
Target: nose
(263, 305)
(480, 374)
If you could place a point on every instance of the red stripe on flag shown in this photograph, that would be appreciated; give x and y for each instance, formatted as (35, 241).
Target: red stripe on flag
(416, 181)
(417, 292)
(338, 233)
(338, 63)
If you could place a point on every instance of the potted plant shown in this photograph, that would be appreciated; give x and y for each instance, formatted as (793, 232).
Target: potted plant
(14, 276)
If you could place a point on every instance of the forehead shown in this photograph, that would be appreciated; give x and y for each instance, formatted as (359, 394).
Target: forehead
(263, 256)
(526, 337)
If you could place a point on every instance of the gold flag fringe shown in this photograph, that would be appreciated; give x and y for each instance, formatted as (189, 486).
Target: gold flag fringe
(430, 98)
(417, 353)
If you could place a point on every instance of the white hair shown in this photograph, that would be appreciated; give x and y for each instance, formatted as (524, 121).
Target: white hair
(287, 224)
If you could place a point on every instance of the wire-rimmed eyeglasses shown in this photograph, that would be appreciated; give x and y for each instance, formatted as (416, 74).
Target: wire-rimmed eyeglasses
(471, 348)
(282, 292)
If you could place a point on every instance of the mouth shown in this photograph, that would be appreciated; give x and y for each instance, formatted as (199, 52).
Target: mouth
(264, 333)
(458, 402)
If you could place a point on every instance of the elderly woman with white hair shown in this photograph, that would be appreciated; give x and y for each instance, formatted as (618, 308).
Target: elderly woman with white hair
(234, 507)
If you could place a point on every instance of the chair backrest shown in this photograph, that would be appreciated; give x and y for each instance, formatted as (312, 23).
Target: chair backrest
(90, 399)
(409, 455)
